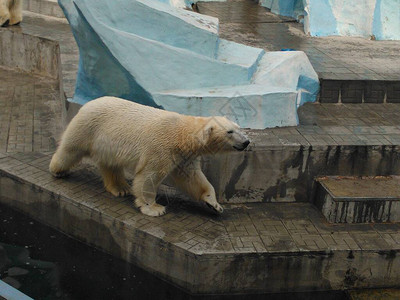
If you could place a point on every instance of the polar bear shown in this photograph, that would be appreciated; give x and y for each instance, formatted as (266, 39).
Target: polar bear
(10, 12)
(120, 134)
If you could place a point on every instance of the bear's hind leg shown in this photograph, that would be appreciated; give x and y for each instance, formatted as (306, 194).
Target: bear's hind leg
(114, 180)
(4, 14)
(16, 12)
(145, 185)
(63, 160)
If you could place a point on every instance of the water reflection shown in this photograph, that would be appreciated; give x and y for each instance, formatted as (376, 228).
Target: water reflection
(45, 264)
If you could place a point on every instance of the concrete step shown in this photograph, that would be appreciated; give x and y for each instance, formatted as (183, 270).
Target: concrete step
(251, 248)
(49, 29)
(359, 91)
(359, 199)
(44, 7)
(371, 294)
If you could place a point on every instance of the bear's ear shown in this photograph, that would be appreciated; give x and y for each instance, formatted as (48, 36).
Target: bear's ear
(207, 132)
(209, 128)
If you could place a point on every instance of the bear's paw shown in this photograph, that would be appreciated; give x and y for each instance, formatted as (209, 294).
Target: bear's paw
(152, 210)
(119, 190)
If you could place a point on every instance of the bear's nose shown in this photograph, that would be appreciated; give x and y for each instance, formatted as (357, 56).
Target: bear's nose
(246, 143)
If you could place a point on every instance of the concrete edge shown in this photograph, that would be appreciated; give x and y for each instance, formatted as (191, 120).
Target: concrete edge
(44, 7)
(30, 54)
(222, 272)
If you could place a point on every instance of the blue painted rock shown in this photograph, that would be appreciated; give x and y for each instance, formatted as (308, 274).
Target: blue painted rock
(152, 53)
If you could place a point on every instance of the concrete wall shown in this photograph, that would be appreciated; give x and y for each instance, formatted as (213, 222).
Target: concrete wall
(286, 174)
(44, 7)
(30, 54)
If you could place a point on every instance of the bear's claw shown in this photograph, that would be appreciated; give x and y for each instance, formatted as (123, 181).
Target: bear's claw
(5, 24)
(217, 208)
(152, 210)
(60, 174)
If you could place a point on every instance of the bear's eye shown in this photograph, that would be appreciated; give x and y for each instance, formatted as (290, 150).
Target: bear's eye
(230, 131)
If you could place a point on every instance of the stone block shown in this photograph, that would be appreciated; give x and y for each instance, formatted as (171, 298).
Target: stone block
(330, 90)
(352, 91)
(393, 92)
(374, 91)
(30, 54)
(359, 199)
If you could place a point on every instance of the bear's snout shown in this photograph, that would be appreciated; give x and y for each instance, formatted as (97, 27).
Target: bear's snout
(242, 146)
(241, 141)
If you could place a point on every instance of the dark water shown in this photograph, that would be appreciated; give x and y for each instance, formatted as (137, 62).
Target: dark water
(46, 264)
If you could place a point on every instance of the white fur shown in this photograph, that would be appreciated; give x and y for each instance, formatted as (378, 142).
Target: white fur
(155, 143)
(10, 10)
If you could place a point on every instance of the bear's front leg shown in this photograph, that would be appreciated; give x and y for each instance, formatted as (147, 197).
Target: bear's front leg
(145, 185)
(114, 180)
(192, 181)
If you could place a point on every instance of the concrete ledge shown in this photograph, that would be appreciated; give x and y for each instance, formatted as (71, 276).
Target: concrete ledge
(359, 199)
(44, 7)
(31, 54)
(303, 254)
(359, 91)
(286, 174)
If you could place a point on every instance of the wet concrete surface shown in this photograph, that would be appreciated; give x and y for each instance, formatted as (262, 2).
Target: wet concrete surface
(334, 58)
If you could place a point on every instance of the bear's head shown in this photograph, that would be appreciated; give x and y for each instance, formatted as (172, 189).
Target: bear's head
(221, 134)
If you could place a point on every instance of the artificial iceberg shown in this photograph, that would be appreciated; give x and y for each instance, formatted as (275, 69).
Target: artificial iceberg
(377, 19)
(152, 53)
(288, 8)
